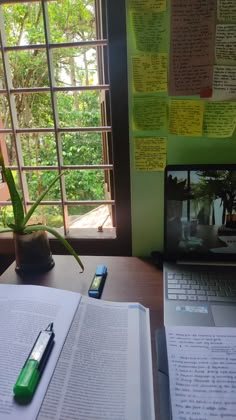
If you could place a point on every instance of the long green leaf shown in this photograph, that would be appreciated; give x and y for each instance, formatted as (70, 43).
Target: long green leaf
(40, 198)
(17, 205)
(66, 244)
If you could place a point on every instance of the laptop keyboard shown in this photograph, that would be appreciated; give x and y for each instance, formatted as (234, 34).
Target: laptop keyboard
(196, 286)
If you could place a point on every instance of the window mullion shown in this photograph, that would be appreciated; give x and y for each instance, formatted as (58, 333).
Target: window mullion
(55, 113)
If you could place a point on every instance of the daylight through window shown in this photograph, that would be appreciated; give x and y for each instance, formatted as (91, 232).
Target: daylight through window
(55, 112)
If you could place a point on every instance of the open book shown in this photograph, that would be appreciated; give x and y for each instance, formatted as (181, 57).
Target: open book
(100, 366)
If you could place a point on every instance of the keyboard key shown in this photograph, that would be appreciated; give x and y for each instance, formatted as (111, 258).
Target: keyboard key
(173, 297)
(192, 282)
(211, 293)
(201, 292)
(203, 298)
(221, 299)
(191, 292)
(174, 286)
(177, 291)
(182, 281)
(183, 297)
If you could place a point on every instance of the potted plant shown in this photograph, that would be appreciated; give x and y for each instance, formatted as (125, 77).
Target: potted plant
(32, 250)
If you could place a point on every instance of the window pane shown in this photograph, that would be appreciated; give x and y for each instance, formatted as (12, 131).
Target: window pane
(6, 216)
(39, 149)
(48, 215)
(79, 109)
(38, 181)
(75, 66)
(85, 185)
(5, 111)
(11, 150)
(87, 216)
(29, 68)
(2, 77)
(34, 110)
(24, 24)
(82, 148)
(71, 20)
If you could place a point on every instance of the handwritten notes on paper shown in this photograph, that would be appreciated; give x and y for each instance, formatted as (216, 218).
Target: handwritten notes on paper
(150, 113)
(186, 117)
(225, 44)
(219, 119)
(150, 154)
(150, 31)
(151, 5)
(150, 73)
(224, 83)
(192, 46)
(202, 372)
(226, 10)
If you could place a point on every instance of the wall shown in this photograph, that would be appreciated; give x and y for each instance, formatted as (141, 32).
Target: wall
(147, 185)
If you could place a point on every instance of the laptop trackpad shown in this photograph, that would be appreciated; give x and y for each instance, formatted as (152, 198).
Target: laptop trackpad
(224, 316)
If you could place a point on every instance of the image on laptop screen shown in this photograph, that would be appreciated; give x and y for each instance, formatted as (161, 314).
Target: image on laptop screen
(200, 212)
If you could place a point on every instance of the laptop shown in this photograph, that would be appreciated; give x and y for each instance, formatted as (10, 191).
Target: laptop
(199, 268)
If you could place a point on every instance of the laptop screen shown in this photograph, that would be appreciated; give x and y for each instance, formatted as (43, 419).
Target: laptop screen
(200, 212)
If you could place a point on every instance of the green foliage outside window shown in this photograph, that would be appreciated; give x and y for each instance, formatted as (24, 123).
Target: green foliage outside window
(70, 20)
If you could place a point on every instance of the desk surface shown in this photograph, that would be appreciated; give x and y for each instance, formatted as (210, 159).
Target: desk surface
(129, 279)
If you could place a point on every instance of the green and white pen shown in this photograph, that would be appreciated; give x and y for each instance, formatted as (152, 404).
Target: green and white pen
(32, 370)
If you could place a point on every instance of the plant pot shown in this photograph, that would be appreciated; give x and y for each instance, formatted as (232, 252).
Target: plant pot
(32, 252)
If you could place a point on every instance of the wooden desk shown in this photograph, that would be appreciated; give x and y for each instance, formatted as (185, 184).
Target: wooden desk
(129, 279)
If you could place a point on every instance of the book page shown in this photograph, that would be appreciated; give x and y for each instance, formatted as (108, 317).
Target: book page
(24, 312)
(104, 370)
(202, 372)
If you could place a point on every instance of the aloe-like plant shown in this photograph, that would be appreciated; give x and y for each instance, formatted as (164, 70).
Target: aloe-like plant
(21, 219)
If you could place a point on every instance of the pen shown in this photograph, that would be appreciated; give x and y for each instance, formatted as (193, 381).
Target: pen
(32, 370)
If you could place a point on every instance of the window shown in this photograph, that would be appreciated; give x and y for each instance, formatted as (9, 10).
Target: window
(64, 106)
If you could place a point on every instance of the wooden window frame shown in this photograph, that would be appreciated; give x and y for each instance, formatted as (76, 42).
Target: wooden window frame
(114, 13)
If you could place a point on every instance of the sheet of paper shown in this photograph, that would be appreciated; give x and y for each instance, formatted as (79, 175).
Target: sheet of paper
(219, 119)
(150, 153)
(226, 10)
(150, 73)
(150, 113)
(104, 370)
(150, 5)
(192, 47)
(186, 117)
(150, 32)
(224, 83)
(225, 44)
(202, 372)
(24, 312)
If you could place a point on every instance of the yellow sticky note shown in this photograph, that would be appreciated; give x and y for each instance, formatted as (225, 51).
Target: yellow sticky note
(151, 5)
(150, 31)
(226, 10)
(150, 153)
(186, 117)
(150, 72)
(150, 113)
(220, 119)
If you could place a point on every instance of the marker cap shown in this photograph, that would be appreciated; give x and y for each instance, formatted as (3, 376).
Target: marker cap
(27, 380)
